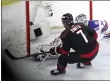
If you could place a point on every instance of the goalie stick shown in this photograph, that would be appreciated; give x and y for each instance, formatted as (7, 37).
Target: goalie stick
(17, 58)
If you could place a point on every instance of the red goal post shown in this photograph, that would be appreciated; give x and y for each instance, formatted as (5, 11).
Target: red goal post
(28, 27)
(90, 9)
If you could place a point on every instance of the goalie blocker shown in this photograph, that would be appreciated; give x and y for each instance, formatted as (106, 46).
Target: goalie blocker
(78, 37)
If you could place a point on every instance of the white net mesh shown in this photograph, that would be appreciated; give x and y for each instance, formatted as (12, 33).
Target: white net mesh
(14, 27)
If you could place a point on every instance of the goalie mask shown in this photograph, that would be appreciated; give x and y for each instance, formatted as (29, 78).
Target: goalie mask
(67, 19)
(81, 19)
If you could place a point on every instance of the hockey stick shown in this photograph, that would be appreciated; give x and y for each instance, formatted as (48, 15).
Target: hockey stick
(17, 58)
(44, 58)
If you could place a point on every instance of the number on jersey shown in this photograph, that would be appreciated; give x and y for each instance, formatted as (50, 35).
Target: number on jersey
(83, 35)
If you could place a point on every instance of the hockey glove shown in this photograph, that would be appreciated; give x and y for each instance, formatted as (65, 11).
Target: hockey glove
(52, 51)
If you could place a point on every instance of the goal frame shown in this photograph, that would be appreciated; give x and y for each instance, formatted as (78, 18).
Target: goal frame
(28, 21)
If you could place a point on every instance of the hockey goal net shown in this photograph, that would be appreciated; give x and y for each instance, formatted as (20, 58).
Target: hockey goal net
(16, 17)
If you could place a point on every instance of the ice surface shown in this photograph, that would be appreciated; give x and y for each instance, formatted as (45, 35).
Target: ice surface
(26, 69)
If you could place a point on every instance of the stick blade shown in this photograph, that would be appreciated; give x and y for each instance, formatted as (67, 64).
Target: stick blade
(9, 54)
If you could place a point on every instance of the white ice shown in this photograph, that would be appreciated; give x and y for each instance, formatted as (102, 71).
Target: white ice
(26, 69)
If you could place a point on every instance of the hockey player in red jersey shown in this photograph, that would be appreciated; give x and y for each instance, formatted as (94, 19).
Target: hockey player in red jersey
(78, 37)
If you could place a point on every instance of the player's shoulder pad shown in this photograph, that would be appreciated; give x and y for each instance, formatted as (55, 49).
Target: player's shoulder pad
(78, 24)
(64, 33)
(81, 24)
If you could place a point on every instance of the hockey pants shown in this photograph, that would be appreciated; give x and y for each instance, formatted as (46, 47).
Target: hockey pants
(74, 57)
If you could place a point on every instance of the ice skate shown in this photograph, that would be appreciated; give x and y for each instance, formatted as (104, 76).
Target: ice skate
(57, 72)
(83, 65)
